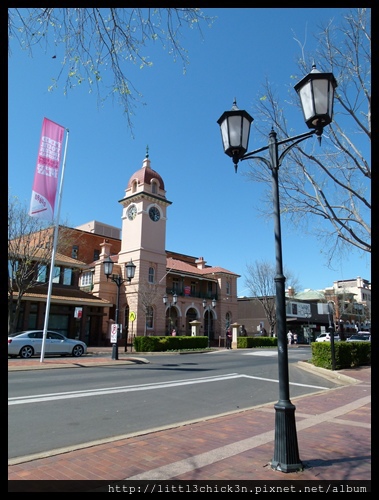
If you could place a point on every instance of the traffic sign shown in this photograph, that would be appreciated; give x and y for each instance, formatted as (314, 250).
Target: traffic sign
(132, 316)
(114, 334)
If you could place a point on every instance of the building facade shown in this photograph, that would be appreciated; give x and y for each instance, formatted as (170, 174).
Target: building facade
(169, 291)
(346, 307)
(73, 312)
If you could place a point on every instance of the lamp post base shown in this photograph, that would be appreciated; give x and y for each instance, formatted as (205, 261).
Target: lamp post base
(114, 351)
(286, 452)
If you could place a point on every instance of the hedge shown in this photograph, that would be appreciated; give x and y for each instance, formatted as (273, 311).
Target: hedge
(347, 354)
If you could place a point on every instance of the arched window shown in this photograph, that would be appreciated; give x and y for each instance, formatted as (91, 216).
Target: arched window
(154, 187)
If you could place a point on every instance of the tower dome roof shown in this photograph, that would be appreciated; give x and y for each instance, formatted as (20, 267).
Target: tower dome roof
(145, 175)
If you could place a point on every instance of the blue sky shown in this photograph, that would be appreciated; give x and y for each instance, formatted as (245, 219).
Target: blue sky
(214, 211)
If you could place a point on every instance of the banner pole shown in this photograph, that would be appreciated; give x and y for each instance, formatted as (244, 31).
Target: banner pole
(51, 276)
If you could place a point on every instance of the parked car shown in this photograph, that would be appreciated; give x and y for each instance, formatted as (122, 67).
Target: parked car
(29, 343)
(325, 337)
(360, 337)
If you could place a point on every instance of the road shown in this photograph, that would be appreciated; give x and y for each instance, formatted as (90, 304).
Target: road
(53, 409)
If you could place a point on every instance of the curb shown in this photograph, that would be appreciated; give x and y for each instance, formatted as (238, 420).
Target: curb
(78, 364)
(329, 374)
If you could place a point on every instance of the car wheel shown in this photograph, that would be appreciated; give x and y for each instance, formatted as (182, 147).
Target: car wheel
(26, 352)
(77, 351)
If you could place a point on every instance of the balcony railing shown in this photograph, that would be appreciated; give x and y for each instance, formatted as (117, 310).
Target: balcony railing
(191, 294)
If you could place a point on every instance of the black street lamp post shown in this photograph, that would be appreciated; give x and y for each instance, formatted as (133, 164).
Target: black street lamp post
(308, 316)
(331, 333)
(130, 268)
(316, 92)
(209, 316)
(170, 304)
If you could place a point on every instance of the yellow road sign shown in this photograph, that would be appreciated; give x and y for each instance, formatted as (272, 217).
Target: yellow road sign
(132, 316)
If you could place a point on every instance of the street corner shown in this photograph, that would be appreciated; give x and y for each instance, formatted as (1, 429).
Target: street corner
(336, 376)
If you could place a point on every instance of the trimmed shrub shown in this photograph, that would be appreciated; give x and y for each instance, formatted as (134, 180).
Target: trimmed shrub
(248, 342)
(347, 354)
(169, 343)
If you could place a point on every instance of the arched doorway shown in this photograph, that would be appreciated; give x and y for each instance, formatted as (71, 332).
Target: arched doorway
(191, 315)
(171, 320)
(209, 322)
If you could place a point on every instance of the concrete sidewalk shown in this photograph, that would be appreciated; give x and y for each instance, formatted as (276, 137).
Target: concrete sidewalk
(333, 432)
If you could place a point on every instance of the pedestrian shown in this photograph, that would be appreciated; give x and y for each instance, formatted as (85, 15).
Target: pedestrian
(295, 338)
(173, 333)
(289, 337)
(228, 339)
(243, 332)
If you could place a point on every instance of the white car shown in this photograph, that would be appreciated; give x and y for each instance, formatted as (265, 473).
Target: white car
(29, 343)
(325, 337)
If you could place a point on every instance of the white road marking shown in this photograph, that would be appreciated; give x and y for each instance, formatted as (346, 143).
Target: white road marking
(133, 388)
(261, 353)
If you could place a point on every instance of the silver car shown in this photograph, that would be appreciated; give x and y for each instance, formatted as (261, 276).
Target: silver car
(29, 343)
(360, 337)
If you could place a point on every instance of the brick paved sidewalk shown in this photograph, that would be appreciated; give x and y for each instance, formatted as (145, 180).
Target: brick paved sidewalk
(333, 430)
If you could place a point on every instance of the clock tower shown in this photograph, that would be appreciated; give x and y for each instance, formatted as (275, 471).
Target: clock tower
(144, 216)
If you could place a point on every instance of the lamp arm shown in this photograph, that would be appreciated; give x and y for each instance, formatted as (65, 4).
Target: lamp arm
(250, 156)
(246, 156)
(300, 138)
(118, 280)
(296, 138)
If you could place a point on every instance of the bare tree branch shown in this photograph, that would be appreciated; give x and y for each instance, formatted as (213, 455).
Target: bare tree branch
(93, 44)
(260, 281)
(30, 245)
(327, 193)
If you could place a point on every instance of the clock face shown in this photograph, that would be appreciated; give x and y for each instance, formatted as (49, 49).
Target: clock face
(154, 214)
(132, 212)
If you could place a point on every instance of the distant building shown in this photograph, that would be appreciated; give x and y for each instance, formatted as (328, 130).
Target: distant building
(73, 312)
(308, 313)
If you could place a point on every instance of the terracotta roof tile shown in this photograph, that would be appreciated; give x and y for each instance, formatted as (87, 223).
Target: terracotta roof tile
(178, 265)
(64, 294)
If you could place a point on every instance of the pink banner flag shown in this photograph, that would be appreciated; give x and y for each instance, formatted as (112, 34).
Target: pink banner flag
(47, 171)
